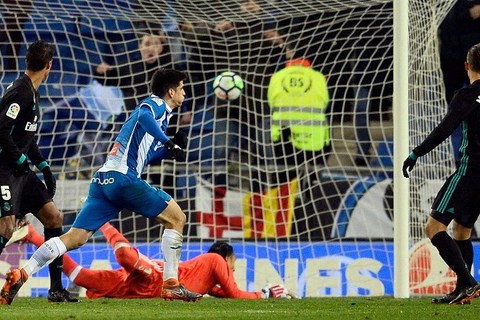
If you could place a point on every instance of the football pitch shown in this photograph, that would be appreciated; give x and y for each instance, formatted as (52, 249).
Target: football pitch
(211, 308)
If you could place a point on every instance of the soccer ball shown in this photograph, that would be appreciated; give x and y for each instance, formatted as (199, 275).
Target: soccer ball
(228, 85)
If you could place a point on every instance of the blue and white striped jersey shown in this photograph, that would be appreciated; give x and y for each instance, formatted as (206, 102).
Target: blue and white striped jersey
(134, 148)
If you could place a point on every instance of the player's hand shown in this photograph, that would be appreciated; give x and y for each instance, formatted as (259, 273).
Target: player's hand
(50, 181)
(277, 291)
(175, 150)
(408, 164)
(181, 139)
(21, 169)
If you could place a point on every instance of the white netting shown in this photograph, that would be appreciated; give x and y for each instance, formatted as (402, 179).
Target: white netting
(321, 229)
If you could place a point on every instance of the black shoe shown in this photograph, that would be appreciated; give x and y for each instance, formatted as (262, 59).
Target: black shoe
(467, 294)
(60, 296)
(446, 298)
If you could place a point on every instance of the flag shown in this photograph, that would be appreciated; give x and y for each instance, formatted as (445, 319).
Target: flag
(225, 213)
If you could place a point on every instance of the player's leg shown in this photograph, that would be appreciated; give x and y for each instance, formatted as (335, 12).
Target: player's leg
(7, 226)
(125, 255)
(462, 237)
(112, 235)
(11, 197)
(173, 219)
(462, 231)
(36, 199)
(452, 202)
(100, 281)
(150, 201)
(88, 221)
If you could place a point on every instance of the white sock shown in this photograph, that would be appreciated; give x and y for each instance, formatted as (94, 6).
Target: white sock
(45, 254)
(75, 273)
(172, 249)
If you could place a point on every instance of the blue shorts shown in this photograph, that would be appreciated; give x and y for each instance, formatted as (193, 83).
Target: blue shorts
(110, 192)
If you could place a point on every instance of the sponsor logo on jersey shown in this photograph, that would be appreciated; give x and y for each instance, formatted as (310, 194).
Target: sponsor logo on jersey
(103, 182)
(31, 126)
(13, 110)
(478, 99)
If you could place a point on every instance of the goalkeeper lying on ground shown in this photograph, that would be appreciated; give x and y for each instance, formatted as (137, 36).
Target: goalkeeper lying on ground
(141, 277)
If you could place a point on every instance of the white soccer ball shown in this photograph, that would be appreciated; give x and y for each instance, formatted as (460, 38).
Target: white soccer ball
(228, 85)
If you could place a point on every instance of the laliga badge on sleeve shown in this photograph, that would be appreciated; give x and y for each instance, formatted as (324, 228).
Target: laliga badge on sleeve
(13, 110)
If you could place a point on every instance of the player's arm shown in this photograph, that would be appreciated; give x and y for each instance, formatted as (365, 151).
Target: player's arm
(457, 113)
(107, 75)
(9, 113)
(39, 161)
(444, 129)
(147, 121)
(226, 286)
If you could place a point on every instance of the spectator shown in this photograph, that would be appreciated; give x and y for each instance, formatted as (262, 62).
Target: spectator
(253, 48)
(298, 97)
(133, 81)
(133, 78)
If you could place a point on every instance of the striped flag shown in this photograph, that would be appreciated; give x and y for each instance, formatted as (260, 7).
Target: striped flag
(225, 213)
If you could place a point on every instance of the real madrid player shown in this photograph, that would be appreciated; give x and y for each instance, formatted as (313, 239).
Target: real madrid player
(21, 190)
(118, 185)
(457, 202)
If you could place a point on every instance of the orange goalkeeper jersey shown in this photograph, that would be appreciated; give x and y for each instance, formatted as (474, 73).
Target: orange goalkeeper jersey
(143, 278)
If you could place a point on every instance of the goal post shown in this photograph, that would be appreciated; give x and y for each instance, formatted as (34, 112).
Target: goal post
(339, 229)
(401, 146)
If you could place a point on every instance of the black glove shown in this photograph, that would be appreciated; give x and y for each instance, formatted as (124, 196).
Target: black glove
(180, 138)
(21, 169)
(176, 152)
(409, 163)
(50, 181)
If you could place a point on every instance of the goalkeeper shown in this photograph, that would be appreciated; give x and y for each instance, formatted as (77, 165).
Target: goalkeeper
(140, 276)
(118, 185)
(458, 199)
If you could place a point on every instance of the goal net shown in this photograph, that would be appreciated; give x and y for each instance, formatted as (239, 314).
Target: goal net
(323, 225)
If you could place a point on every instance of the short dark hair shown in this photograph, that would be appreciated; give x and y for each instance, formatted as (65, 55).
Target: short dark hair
(39, 54)
(165, 79)
(473, 57)
(222, 248)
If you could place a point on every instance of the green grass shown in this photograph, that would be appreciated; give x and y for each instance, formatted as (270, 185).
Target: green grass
(210, 308)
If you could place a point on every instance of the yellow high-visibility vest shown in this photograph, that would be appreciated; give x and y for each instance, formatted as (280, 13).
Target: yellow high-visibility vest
(298, 98)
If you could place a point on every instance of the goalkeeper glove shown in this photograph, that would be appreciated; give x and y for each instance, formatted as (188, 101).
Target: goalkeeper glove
(176, 152)
(21, 167)
(408, 164)
(49, 181)
(275, 292)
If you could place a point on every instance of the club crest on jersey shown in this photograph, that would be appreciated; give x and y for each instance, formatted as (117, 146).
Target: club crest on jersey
(13, 110)
(114, 150)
